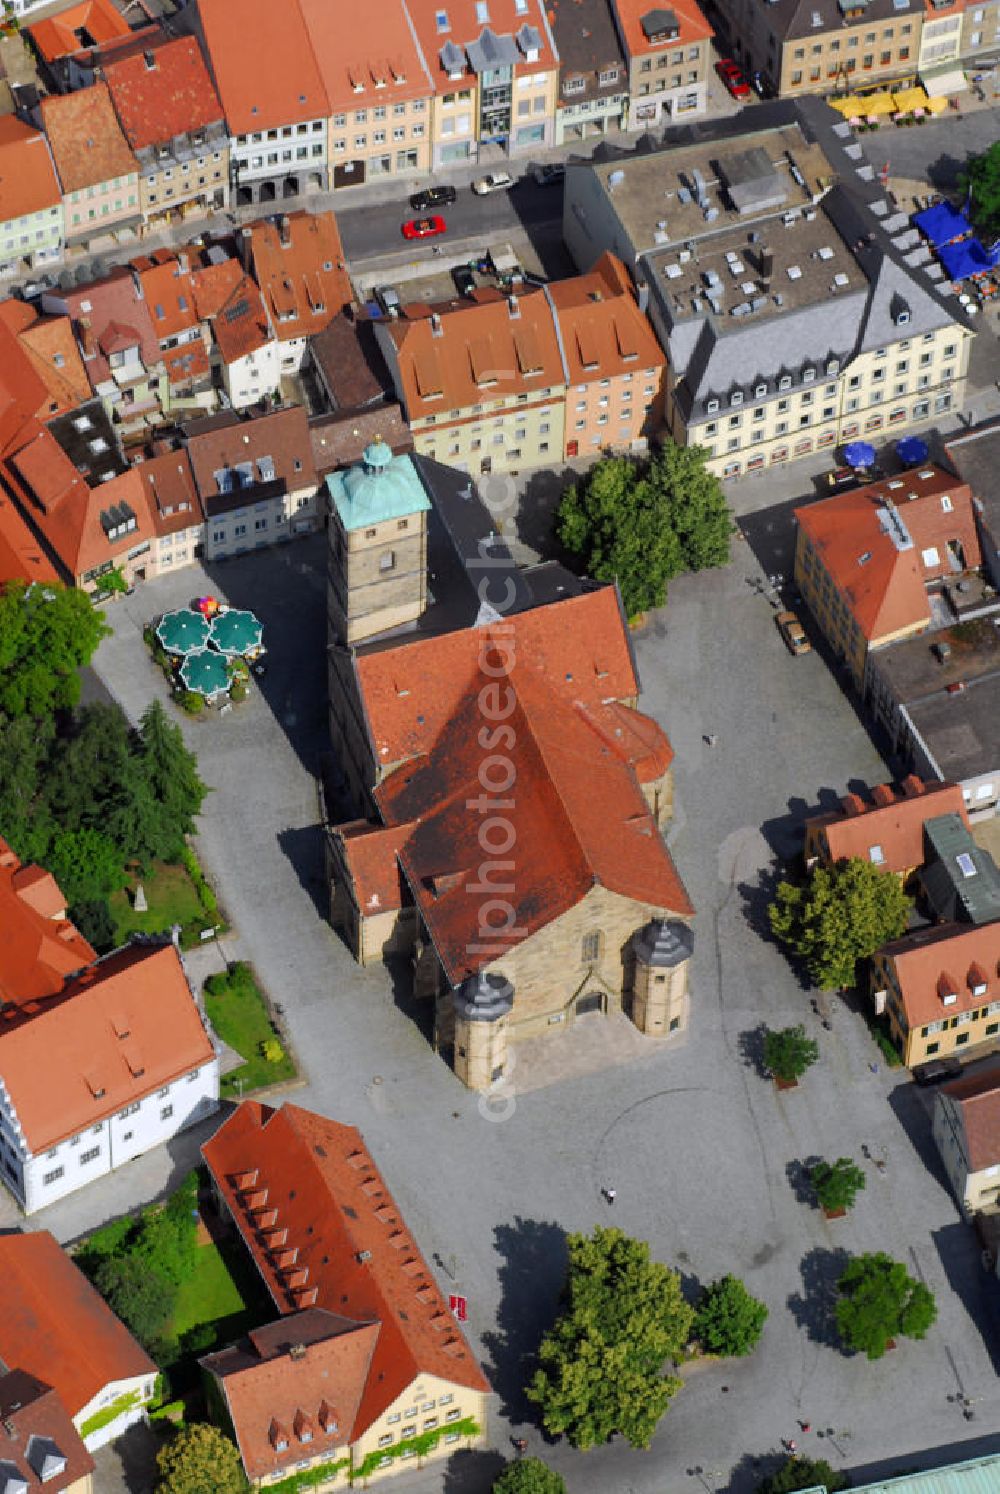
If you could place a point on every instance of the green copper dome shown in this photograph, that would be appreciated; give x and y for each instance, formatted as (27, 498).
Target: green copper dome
(380, 487)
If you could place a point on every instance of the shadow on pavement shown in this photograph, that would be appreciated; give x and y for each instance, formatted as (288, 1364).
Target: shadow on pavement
(752, 1469)
(533, 1256)
(798, 1172)
(130, 1461)
(959, 1252)
(472, 1471)
(304, 850)
(751, 1049)
(912, 1110)
(814, 1307)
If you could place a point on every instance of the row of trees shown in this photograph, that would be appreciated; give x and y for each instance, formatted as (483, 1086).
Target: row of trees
(642, 523)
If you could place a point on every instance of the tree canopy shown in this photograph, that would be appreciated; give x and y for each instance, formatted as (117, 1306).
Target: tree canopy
(880, 1301)
(601, 1366)
(529, 1476)
(788, 1053)
(141, 1297)
(837, 1183)
(200, 1460)
(804, 1473)
(47, 633)
(727, 1319)
(86, 864)
(981, 179)
(644, 522)
(839, 915)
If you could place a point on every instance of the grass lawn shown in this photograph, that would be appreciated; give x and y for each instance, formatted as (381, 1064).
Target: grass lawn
(239, 1016)
(172, 898)
(225, 1290)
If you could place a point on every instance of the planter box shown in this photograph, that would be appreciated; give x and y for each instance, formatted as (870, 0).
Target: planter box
(834, 1213)
(785, 1083)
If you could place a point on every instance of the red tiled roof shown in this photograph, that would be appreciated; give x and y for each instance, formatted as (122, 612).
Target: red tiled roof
(66, 512)
(28, 181)
(299, 266)
(91, 23)
(378, 51)
(66, 1066)
(949, 950)
(884, 585)
(30, 1409)
(339, 440)
(465, 26)
(168, 290)
(282, 435)
(173, 97)
(604, 334)
(21, 556)
(305, 1375)
(214, 284)
(38, 949)
(325, 1193)
(240, 325)
(170, 492)
(47, 342)
(263, 63)
(977, 1099)
(630, 14)
(85, 138)
(568, 837)
(371, 853)
(896, 826)
(55, 1326)
(107, 314)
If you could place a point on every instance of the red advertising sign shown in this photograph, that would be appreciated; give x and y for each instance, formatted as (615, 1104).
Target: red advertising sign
(459, 1306)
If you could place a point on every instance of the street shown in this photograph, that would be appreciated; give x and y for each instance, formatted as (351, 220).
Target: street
(704, 1155)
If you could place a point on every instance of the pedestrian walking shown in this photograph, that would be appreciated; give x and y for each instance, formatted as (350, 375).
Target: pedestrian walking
(610, 1194)
(873, 1067)
(806, 1426)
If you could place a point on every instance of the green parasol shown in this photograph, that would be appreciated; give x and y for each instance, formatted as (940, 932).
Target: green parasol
(235, 632)
(205, 673)
(183, 631)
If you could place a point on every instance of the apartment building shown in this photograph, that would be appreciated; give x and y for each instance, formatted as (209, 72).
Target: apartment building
(616, 370)
(97, 171)
(940, 989)
(66, 42)
(822, 47)
(379, 89)
(298, 263)
(255, 478)
(357, 1302)
(669, 52)
(483, 384)
(32, 226)
(593, 77)
(175, 509)
(790, 318)
(886, 830)
(273, 95)
(966, 1127)
(248, 353)
(166, 284)
(870, 563)
(39, 1445)
(495, 74)
(173, 121)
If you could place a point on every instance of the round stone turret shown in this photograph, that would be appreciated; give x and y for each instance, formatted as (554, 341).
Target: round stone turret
(483, 1004)
(660, 1001)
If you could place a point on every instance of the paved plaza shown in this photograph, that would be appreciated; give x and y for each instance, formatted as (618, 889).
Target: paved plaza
(705, 1156)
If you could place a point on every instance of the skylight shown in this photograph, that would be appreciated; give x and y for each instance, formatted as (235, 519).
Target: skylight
(966, 865)
(441, 21)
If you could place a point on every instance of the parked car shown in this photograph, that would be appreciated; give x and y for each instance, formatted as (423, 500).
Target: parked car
(424, 228)
(388, 298)
(937, 1070)
(549, 176)
(733, 78)
(494, 181)
(843, 478)
(432, 197)
(793, 633)
(465, 280)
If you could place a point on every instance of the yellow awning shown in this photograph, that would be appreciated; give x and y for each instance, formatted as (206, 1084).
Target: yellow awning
(936, 106)
(878, 103)
(909, 99)
(849, 108)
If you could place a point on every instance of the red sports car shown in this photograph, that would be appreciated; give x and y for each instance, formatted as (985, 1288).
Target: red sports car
(424, 228)
(733, 78)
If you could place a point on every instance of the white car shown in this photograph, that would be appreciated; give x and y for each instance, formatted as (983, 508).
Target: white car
(496, 181)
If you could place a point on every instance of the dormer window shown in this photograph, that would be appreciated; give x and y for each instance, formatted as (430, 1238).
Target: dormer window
(833, 365)
(808, 374)
(785, 382)
(712, 406)
(759, 391)
(736, 398)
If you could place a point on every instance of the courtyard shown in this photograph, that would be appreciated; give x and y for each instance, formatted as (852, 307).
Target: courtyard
(704, 1154)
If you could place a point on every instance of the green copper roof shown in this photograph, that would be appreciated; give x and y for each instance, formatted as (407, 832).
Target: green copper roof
(978, 1476)
(381, 487)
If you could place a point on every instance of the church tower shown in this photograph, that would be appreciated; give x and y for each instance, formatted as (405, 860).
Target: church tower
(377, 577)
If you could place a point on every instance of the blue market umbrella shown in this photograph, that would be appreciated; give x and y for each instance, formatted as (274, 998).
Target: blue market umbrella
(183, 631)
(912, 450)
(205, 673)
(859, 454)
(235, 632)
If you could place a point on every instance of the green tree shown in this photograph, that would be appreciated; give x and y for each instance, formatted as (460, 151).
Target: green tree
(47, 633)
(136, 1293)
(804, 1473)
(93, 919)
(642, 523)
(25, 823)
(879, 1302)
(788, 1053)
(92, 771)
(200, 1460)
(981, 178)
(601, 1365)
(837, 1184)
(86, 864)
(171, 772)
(728, 1320)
(529, 1476)
(841, 914)
(695, 505)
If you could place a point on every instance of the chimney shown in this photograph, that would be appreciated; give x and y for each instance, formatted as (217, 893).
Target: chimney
(513, 306)
(766, 260)
(643, 298)
(149, 58)
(852, 804)
(437, 327)
(136, 281)
(883, 795)
(183, 263)
(285, 230)
(87, 339)
(913, 786)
